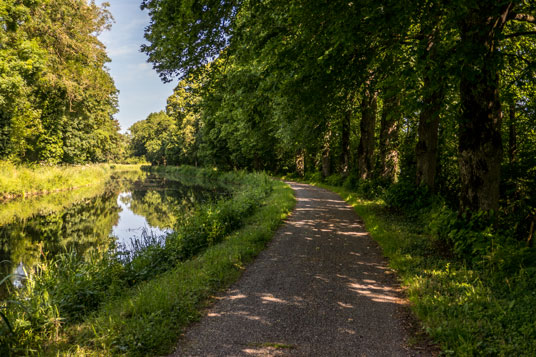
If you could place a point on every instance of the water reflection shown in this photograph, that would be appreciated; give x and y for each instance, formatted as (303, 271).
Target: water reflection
(119, 212)
(131, 226)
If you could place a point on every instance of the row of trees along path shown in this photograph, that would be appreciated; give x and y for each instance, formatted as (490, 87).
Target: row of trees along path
(322, 288)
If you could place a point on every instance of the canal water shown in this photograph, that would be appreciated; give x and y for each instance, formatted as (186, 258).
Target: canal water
(117, 213)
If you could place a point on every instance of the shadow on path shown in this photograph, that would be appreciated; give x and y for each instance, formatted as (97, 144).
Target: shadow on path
(321, 288)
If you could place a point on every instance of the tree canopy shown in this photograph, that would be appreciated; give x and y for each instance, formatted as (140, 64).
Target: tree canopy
(386, 92)
(57, 98)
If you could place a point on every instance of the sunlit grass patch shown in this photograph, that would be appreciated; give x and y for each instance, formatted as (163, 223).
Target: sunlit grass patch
(23, 181)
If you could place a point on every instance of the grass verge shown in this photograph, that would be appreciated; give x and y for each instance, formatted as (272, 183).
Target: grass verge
(468, 311)
(148, 320)
(22, 181)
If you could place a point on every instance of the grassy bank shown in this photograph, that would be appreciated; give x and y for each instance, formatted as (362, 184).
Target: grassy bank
(136, 304)
(21, 209)
(22, 181)
(484, 309)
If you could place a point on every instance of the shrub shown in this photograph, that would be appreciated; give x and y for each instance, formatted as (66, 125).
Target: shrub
(407, 196)
(351, 182)
(313, 176)
(334, 180)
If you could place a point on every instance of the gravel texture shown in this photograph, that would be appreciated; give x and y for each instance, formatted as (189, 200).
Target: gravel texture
(321, 288)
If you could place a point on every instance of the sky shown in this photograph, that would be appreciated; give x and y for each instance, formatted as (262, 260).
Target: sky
(141, 91)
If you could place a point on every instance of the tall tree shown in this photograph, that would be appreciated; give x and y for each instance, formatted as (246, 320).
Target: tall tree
(365, 151)
(480, 144)
(59, 98)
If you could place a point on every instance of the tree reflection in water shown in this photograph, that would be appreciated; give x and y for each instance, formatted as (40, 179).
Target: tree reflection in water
(118, 213)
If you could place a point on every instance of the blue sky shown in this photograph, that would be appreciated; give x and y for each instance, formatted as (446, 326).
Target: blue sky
(141, 91)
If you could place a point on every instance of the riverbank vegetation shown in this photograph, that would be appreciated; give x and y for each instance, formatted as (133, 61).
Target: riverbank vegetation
(74, 304)
(26, 181)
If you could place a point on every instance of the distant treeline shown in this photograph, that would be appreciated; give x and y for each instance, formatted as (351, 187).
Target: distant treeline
(56, 96)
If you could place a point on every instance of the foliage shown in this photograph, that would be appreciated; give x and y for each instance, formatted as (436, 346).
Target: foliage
(407, 197)
(153, 138)
(56, 97)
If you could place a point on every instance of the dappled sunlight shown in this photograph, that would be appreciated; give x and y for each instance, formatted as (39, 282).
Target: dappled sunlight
(248, 316)
(361, 234)
(236, 296)
(266, 298)
(346, 330)
(262, 351)
(378, 293)
(346, 306)
(323, 279)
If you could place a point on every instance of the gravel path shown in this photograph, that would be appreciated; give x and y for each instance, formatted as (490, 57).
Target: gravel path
(321, 288)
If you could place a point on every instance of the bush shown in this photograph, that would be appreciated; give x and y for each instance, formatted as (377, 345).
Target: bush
(351, 182)
(370, 189)
(407, 196)
(334, 180)
(313, 176)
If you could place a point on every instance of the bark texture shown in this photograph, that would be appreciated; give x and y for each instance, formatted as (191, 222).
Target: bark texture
(345, 142)
(426, 151)
(365, 150)
(326, 154)
(389, 130)
(480, 143)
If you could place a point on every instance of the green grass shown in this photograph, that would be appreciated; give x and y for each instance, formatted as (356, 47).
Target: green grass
(13, 210)
(467, 311)
(23, 181)
(150, 317)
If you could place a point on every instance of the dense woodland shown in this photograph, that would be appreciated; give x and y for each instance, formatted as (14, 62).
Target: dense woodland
(57, 98)
(432, 96)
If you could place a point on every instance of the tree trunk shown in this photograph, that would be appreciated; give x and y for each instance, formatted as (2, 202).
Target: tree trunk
(426, 149)
(480, 144)
(365, 150)
(389, 128)
(433, 95)
(326, 158)
(512, 135)
(300, 162)
(345, 142)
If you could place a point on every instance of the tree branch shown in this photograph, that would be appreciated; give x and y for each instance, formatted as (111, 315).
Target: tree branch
(521, 58)
(517, 34)
(522, 17)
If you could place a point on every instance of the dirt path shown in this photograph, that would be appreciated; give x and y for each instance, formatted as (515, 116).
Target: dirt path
(322, 288)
